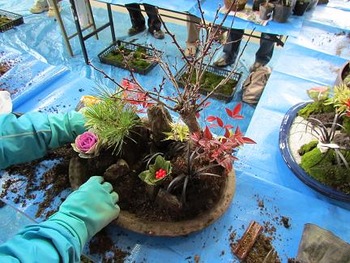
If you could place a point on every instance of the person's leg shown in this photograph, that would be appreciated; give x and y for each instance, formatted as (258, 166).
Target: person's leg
(136, 18)
(51, 8)
(231, 48)
(39, 7)
(265, 51)
(192, 35)
(154, 24)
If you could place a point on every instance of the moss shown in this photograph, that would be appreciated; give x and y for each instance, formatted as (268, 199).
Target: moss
(211, 80)
(307, 147)
(323, 168)
(137, 60)
(314, 108)
(4, 20)
(346, 125)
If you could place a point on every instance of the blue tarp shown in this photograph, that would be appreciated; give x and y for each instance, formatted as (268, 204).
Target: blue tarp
(46, 78)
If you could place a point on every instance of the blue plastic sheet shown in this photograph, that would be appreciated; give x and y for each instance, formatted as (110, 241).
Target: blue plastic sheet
(46, 78)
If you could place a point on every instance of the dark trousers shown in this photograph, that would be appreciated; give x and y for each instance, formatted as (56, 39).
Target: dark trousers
(264, 53)
(137, 19)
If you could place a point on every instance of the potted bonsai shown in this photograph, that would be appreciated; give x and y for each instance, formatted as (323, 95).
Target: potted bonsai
(318, 144)
(173, 174)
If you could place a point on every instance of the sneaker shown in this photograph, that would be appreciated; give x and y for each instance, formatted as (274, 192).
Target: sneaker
(255, 66)
(191, 50)
(51, 12)
(224, 61)
(158, 34)
(38, 8)
(136, 30)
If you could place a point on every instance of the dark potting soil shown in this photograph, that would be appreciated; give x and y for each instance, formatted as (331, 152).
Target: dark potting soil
(133, 193)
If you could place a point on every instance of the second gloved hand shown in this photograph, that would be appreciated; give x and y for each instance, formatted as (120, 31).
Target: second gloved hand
(89, 209)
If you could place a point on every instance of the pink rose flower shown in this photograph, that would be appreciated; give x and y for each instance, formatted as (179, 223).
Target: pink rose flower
(86, 145)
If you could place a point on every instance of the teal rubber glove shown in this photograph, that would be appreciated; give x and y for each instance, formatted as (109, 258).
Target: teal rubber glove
(30, 136)
(89, 209)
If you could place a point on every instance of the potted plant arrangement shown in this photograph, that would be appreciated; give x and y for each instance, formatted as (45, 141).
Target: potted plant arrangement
(316, 141)
(282, 11)
(173, 176)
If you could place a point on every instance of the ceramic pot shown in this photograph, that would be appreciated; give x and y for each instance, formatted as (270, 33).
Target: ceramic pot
(265, 11)
(131, 222)
(343, 72)
(312, 5)
(282, 13)
(300, 8)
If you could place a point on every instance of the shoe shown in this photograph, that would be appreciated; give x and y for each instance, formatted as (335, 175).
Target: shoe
(255, 66)
(224, 61)
(191, 50)
(51, 12)
(136, 30)
(158, 34)
(38, 8)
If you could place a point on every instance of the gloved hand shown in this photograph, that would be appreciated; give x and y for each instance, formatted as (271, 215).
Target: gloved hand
(30, 136)
(89, 209)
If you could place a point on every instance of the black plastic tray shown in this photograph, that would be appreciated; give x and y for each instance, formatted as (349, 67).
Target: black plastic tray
(217, 71)
(15, 20)
(130, 46)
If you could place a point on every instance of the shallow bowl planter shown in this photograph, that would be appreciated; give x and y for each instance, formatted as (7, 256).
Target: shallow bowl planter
(221, 93)
(287, 154)
(141, 62)
(131, 222)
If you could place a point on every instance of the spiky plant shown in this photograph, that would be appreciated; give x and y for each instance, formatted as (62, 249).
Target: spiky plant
(112, 120)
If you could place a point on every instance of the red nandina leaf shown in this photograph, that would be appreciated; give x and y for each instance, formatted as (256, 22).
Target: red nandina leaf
(220, 122)
(229, 112)
(211, 118)
(227, 133)
(237, 109)
(228, 126)
(235, 113)
(248, 140)
(206, 104)
(207, 134)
